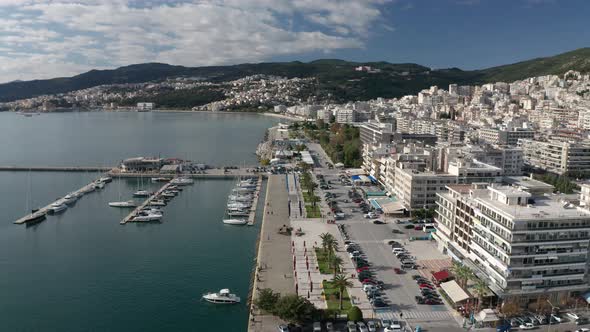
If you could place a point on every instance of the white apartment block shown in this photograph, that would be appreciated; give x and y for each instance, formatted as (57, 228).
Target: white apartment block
(345, 115)
(524, 246)
(557, 157)
(503, 137)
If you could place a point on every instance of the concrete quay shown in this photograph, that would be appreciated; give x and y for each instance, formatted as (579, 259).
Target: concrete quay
(55, 169)
(274, 262)
(252, 216)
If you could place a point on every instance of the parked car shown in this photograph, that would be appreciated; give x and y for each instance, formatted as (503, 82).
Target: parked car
(582, 321)
(397, 231)
(362, 327)
(351, 326)
(329, 327)
(526, 326)
(317, 327)
(395, 326)
(572, 315)
(378, 222)
(372, 326)
(283, 328)
(583, 329)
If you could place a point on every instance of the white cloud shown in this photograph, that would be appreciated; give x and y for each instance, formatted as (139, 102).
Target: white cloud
(65, 37)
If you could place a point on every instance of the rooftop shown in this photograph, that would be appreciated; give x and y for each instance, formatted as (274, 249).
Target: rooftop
(543, 208)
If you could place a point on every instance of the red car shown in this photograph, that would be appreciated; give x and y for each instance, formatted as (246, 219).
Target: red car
(362, 268)
(398, 270)
(369, 281)
(426, 286)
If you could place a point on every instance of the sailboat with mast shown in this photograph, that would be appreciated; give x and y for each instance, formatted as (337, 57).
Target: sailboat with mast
(36, 216)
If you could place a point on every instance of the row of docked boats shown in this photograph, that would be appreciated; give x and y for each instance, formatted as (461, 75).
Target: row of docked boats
(38, 215)
(152, 211)
(239, 203)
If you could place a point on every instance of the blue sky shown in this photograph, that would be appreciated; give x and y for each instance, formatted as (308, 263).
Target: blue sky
(51, 38)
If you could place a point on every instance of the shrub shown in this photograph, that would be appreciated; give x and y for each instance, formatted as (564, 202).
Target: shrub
(355, 314)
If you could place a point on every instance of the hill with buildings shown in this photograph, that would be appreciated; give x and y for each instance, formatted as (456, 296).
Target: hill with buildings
(340, 80)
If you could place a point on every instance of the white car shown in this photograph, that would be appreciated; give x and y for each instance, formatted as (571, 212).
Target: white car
(372, 326)
(556, 318)
(572, 315)
(369, 286)
(583, 329)
(527, 326)
(362, 327)
(394, 326)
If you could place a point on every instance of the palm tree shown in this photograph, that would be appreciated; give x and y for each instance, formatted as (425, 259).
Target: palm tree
(480, 289)
(337, 264)
(331, 246)
(326, 238)
(462, 273)
(341, 282)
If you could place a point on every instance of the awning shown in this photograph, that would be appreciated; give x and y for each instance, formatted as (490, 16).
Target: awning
(486, 316)
(454, 291)
(372, 178)
(393, 207)
(441, 275)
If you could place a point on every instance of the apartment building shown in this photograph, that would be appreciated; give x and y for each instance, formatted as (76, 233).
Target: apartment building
(509, 159)
(557, 156)
(524, 246)
(498, 136)
(345, 115)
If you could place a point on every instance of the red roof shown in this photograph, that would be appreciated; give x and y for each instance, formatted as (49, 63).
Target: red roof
(441, 275)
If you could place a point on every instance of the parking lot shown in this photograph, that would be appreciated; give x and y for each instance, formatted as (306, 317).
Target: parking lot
(399, 290)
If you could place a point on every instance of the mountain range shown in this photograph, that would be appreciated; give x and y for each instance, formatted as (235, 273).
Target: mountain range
(335, 77)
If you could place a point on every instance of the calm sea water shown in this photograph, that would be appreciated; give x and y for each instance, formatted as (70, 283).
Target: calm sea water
(81, 270)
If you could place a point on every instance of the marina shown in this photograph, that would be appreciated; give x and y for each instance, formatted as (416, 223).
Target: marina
(61, 204)
(243, 201)
(153, 198)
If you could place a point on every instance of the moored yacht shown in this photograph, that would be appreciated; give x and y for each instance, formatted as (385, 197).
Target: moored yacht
(235, 221)
(147, 217)
(182, 181)
(160, 179)
(36, 216)
(223, 297)
(157, 202)
(126, 204)
(106, 179)
(57, 207)
(142, 193)
(70, 199)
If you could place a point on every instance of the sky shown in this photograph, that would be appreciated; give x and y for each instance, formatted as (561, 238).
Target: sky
(55, 38)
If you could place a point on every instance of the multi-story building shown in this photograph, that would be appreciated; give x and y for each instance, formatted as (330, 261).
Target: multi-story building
(556, 156)
(525, 247)
(376, 133)
(509, 159)
(346, 115)
(503, 137)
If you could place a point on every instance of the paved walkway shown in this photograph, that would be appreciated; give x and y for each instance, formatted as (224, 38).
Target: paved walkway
(274, 262)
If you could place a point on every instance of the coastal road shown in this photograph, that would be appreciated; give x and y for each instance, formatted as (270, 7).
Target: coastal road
(274, 262)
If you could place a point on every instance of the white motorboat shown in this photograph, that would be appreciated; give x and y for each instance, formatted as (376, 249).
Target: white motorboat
(223, 297)
(106, 179)
(148, 217)
(98, 185)
(168, 194)
(157, 202)
(142, 193)
(57, 207)
(152, 210)
(243, 190)
(238, 205)
(238, 214)
(70, 199)
(235, 221)
(182, 181)
(239, 198)
(126, 204)
(160, 179)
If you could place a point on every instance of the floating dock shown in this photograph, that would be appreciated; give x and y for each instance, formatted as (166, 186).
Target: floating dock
(144, 204)
(45, 209)
(252, 216)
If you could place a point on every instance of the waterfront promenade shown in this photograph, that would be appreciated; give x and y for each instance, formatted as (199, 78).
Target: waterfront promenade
(274, 267)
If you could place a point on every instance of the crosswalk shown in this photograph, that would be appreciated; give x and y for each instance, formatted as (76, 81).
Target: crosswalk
(422, 316)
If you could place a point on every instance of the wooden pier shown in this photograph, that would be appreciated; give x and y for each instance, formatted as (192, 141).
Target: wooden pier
(144, 204)
(252, 216)
(45, 209)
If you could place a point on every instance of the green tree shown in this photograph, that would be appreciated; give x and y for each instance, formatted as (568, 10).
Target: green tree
(267, 299)
(294, 309)
(264, 161)
(462, 273)
(336, 262)
(341, 282)
(355, 314)
(326, 238)
(480, 289)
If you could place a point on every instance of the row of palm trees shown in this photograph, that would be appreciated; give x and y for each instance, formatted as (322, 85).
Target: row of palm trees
(463, 274)
(335, 262)
(309, 185)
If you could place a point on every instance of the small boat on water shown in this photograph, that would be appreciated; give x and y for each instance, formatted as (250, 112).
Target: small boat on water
(57, 207)
(106, 179)
(126, 204)
(152, 210)
(98, 185)
(240, 198)
(237, 205)
(142, 193)
(168, 194)
(143, 217)
(157, 202)
(160, 179)
(235, 221)
(70, 199)
(182, 181)
(223, 297)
